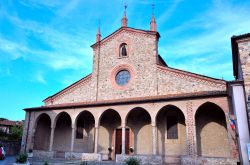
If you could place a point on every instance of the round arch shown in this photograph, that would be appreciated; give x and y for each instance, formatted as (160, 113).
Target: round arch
(171, 130)
(42, 129)
(139, 121)
(60, 114)
(62, 132)
(108, 111)
(38, 118)
(84, 111)
(84, 132)
(109, 123)
(138, 108)
(211, 131)
(168, 107)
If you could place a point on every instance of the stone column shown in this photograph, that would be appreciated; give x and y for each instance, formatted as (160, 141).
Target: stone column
(51, 138)
(96, 138)
(191, 131)
(72, 138)
(123, 138)
(154, 138)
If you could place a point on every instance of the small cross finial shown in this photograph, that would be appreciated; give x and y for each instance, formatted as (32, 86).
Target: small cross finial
(153, 9)
(99, 24)
(125, 8)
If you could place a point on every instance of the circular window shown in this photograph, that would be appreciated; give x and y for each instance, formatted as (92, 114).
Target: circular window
(122, 77)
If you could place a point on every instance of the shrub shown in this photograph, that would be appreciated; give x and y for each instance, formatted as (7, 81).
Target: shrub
(84, 163)
(15, 133)
(132, 161)
(46, 163)
(22, 158)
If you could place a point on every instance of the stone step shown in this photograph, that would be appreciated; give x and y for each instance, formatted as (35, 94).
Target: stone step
(172, 160)
(60, 154)
(59, 161)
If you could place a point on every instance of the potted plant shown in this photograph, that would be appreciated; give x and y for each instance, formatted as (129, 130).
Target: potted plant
(132, 161)
(30, 153)
(46, 162)
(110, 149)
(21, 159)
(131, 149)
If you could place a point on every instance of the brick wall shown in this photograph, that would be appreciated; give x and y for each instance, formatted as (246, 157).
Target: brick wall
(147, 78)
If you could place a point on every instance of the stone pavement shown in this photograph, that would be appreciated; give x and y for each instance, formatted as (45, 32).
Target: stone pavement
(9, 160)
(60, 161)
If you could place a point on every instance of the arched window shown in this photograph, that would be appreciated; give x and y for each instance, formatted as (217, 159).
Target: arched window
(123, 50)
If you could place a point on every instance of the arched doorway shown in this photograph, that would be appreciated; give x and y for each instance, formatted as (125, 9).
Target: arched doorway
(42, 133)
(139, 120)
(171, 131)
(62, 134)
(85, 130)
(110, 120)
(211, 131)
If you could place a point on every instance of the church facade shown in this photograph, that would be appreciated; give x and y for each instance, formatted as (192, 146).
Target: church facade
(134, 104)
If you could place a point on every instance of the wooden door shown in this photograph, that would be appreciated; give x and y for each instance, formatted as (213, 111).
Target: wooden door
(118, 141)
(127, 141)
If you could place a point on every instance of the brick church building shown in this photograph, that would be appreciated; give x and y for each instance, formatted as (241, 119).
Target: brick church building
(134, 104)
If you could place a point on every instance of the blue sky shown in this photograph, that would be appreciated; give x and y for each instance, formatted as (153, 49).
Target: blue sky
(45, 45)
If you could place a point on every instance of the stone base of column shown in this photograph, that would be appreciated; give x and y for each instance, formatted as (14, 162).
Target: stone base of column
(43, 154)
(82, 156)
(190, 160)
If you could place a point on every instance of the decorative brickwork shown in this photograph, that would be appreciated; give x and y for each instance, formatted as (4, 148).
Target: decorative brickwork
(150, 88)
(173, 81)
(190, 125)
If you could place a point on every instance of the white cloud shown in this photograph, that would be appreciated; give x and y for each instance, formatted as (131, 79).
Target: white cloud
(15, 50)
(68, 51)
(170, 10)
(39, 77)
(208, 35)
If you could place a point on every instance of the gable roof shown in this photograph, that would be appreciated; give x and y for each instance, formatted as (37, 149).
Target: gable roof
(127, 29)
(194, 75)
(160, 61)
(194, 95)
(68, 87)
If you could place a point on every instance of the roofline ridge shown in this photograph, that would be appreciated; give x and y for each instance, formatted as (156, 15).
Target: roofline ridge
(200, 76)
(68, 87)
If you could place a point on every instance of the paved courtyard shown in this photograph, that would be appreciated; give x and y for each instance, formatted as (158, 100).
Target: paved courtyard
(9, 160)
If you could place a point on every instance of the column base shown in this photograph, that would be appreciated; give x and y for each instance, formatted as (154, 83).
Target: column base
(189, 160)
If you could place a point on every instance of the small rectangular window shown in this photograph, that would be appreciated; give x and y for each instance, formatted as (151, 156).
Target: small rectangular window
(172, 127)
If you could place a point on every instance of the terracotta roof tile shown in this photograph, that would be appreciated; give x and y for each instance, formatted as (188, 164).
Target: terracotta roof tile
(10, 123)
(133, 100)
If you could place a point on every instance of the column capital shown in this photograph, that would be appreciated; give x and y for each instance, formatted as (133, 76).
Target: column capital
(153, 124)
(123, 124)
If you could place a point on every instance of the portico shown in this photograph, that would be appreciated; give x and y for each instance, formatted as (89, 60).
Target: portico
(134, 105)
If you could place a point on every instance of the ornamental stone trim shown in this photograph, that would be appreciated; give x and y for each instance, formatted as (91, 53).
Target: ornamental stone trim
(126, 30)
(116, 70)
(68, 90)
(193, 77)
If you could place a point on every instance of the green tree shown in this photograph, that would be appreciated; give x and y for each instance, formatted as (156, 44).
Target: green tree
(16, 132)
